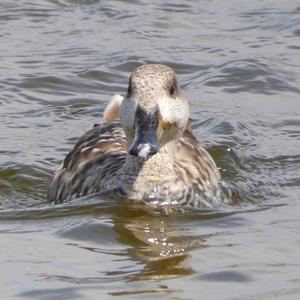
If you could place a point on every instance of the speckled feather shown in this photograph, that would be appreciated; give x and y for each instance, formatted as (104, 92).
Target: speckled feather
(181, 172)
(100, 154)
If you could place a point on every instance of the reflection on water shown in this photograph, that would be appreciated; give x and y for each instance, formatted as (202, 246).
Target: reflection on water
(161, 248)
(62, 60)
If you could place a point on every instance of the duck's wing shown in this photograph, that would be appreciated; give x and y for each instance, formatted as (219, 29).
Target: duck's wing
(98, 154)
(194, 165)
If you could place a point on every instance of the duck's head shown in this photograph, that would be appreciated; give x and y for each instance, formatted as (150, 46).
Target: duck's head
(154, 111)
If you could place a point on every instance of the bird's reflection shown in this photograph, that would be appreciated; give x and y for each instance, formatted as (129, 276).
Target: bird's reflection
(154, 241)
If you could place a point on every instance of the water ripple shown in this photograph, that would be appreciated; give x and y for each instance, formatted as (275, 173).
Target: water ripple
(256, 76)
(62, 60)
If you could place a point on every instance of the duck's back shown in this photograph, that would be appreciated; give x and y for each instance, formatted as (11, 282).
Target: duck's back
(98, 154)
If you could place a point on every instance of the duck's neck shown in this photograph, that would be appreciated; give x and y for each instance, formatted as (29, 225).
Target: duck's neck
(158, 165)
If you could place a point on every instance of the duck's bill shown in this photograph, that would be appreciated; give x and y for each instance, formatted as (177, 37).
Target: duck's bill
(145, 142)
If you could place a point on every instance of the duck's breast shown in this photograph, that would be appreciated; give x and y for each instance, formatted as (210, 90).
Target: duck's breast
(194, 165)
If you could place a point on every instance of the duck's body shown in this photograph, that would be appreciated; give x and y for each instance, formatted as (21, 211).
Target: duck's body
(145, 152)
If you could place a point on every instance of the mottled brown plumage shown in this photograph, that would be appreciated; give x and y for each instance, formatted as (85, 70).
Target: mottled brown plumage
(149, 155)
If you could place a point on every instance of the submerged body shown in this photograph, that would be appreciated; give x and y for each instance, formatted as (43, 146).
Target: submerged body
(144, 150)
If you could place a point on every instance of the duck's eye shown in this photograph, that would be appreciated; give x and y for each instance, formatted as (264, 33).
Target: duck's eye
(172, 90)
(129, 90)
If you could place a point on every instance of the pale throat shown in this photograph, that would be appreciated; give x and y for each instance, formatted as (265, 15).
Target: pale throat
(158, 165)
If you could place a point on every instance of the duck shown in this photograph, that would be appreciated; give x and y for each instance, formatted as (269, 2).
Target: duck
(144, 149)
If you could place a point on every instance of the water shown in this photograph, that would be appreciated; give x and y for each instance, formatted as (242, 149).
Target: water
(238, 63)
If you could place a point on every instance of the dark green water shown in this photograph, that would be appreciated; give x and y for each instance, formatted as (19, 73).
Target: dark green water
(239, 65)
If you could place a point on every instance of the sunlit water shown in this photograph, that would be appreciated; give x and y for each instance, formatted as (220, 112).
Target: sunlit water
(238, 63)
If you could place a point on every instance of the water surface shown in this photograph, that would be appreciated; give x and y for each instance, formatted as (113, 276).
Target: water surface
(238, 64)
